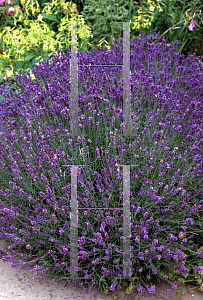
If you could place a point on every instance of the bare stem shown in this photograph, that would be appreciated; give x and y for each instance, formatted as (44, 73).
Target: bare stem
(178, 23)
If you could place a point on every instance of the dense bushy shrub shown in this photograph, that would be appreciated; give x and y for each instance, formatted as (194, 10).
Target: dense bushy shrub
(166, 146)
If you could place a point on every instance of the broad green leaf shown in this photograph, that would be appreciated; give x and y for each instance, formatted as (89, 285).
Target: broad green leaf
(2, 60)
(29, 66)
(29, 57)
(19, 64)
(52, 18)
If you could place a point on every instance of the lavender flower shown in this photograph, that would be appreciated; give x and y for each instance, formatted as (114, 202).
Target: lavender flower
(165, 152)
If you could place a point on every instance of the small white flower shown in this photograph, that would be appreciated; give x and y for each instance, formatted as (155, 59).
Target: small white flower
(82, 151)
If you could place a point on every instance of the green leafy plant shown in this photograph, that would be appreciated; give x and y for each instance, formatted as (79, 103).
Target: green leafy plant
(28, 45)
(177, 21)
(146, 13)
(34, 40)
(5, 17)
(53, 28)
(102, 15)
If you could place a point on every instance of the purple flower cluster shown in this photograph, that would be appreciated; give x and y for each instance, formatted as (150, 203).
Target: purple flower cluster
(165, 152)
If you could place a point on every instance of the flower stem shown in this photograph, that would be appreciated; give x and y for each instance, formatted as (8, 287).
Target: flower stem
(179, 23)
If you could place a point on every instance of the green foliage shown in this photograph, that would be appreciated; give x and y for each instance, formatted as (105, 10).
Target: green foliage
(39, 28)
(172, 17)
(148, 12)
(79, 4)
(166, 14)
(5, 18)
(102, 15)
(29, 44)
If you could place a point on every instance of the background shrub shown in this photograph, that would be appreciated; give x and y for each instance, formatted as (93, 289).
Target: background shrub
(31, 43)
(21, 49)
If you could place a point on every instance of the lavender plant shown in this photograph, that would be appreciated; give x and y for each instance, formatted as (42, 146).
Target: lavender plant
(165, 150)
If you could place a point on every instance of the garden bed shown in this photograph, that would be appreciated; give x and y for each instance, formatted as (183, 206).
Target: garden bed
(164, 152)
